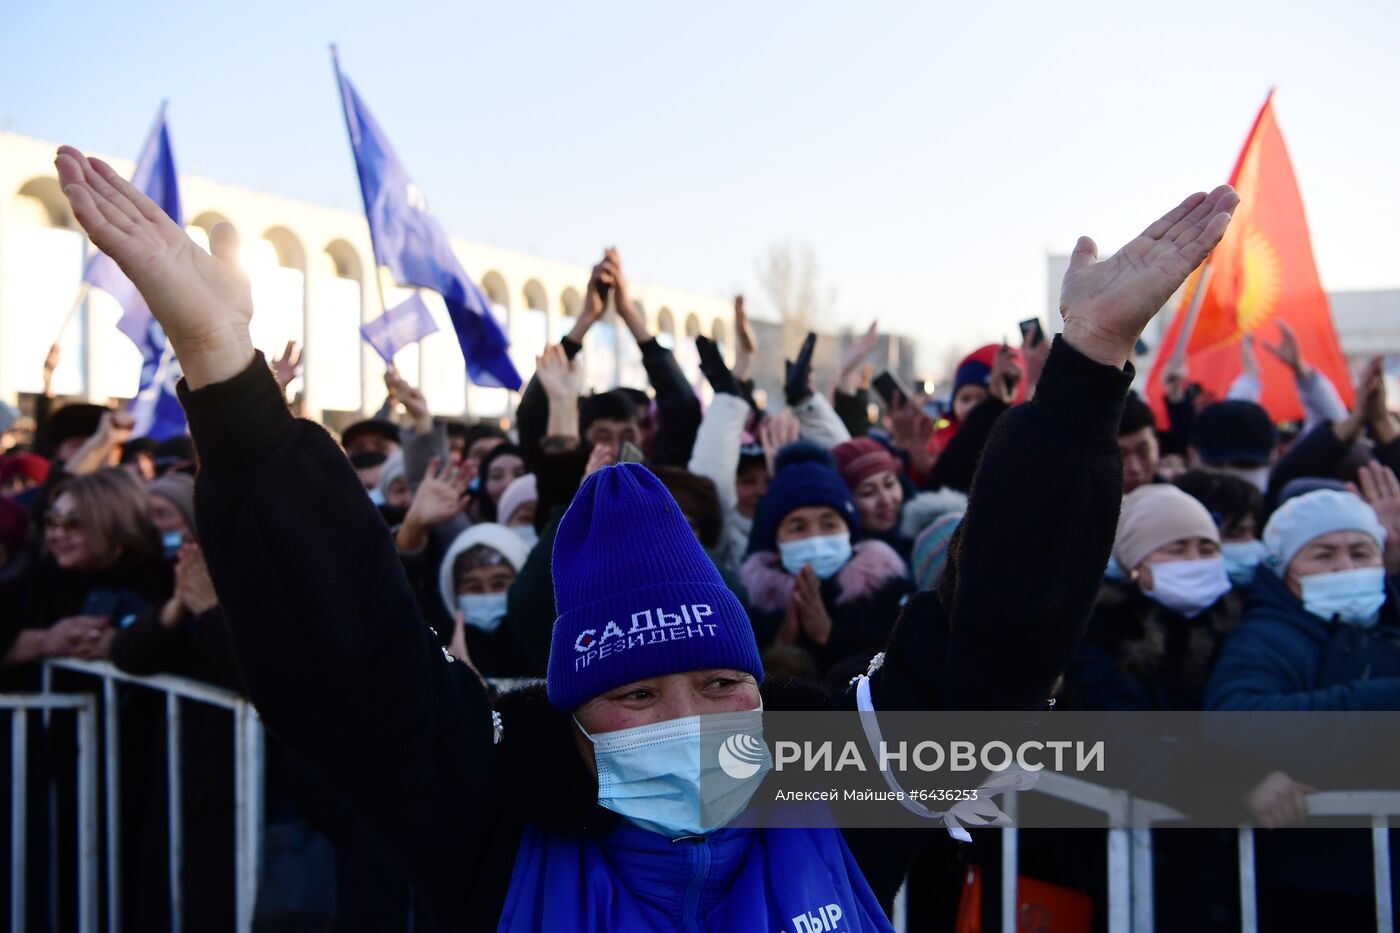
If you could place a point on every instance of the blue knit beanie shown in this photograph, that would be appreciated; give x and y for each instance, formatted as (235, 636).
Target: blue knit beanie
(804, 475)
(637, 595)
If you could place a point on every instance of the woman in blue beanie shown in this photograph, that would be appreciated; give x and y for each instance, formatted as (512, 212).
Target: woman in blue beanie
(812, 582)
(572, 810)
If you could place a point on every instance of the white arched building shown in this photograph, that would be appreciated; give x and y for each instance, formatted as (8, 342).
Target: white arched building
(312, 273)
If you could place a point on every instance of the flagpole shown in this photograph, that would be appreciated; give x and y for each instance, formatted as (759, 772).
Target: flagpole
(1197, 299)
(73, 310)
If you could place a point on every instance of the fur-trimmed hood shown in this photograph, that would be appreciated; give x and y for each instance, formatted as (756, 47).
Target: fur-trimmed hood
(1148, 640)
(872, 565)
(926, 508)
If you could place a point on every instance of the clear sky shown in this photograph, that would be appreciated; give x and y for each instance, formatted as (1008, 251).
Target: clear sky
(930, 154)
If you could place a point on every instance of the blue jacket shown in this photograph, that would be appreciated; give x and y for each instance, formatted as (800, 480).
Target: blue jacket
(1285, 658)
(735, 879)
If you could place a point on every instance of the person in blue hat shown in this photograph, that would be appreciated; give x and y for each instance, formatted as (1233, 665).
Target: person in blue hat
(579, 808)
(812, 582)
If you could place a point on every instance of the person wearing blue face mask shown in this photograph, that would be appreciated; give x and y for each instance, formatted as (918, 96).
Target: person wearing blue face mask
(474, 578)
(811, 582)
(1321, 632)
(172, 511)
(1236, 506)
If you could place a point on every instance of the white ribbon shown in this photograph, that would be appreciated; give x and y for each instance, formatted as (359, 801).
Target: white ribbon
(979, 812)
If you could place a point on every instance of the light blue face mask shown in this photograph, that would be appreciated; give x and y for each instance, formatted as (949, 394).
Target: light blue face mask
(484, 611)
(1241, 559)
(376, 496)
(682, 777)
(827, 554)
(1354, 596)
(170, 542)
(528, 534)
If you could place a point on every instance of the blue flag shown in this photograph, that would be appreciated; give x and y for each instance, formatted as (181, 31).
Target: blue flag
(405, 323)
(156, 408)
(408, 239)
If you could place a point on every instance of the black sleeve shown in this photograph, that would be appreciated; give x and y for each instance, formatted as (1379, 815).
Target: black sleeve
(1317, 453)
(532, 414)
(677, 408)
(854, 411)
(1026, 562)
(330, 643)
(958, 461)
(1181, 417)
(145, 646)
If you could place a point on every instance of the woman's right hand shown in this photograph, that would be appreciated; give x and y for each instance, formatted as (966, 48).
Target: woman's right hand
(202, 301)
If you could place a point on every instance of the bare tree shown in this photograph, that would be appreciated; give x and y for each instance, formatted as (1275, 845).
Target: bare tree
(789, 276)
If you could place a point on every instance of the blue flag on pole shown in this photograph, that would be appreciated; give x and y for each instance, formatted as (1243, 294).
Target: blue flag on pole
(156, 408)
(405, 323)
(408, 239)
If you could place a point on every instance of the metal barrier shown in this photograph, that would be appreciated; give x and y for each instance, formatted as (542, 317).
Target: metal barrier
(248, 780)
(84, 707)
(1130, 882)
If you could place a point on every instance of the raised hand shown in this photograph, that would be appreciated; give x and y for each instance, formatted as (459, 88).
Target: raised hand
(560, 377)
(1381, 490)
(1249, 358)
(745, 340)
(1006, 375)
(441, 496)
(720, 377)
(776, 433)
(1370, 393)
(811, 609)
(601, 456)
(1287, 351)
(1105, 304)
(50, 364)
(848, 377)
(622, 298)
(797, 382)
(287, 366)
(203, 302)
(411, 398)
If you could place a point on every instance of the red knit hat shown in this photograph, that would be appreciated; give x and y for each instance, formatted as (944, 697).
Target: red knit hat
(14, 526)
(862, 458)
(30, 466)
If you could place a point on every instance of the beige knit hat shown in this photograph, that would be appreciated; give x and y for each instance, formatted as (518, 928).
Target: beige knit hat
(1155, 515)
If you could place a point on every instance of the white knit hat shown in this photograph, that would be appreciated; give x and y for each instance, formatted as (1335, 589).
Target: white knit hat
(497, 537)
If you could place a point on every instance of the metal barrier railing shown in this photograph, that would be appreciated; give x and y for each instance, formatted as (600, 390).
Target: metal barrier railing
(1130, 881)
(248, 781)
(84, 707)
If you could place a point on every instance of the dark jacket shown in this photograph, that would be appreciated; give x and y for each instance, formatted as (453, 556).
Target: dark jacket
(1285, 658)
(1139, 655)
(1319, 453)
(677, 409)
(957, 463)
(336, 656)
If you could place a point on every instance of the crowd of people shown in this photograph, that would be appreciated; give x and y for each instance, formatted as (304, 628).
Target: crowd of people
(1040, 540)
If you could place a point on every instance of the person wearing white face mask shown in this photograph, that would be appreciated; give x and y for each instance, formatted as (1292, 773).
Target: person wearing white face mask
(1320, 633)
(1153, 636)
(811, 581)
